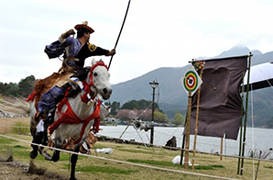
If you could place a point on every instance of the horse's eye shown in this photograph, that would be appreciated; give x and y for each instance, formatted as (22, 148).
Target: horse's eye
(95, 74)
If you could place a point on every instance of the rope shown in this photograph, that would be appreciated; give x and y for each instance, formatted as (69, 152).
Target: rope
(264, 77)
(252, 122)
(122, 162)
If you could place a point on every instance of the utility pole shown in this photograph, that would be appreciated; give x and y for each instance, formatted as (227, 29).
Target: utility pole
(153, 84)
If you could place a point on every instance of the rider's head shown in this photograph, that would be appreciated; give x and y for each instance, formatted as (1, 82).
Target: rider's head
(83, 29)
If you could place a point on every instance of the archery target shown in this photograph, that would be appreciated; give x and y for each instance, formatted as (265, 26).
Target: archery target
(191, 81)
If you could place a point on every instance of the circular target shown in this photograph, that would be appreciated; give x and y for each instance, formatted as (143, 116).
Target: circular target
(191, 81)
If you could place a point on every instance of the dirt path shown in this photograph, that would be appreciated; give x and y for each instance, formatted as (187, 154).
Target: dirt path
(18, 171)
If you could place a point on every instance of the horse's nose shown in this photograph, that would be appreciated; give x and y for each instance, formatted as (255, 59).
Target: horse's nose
(105, 91)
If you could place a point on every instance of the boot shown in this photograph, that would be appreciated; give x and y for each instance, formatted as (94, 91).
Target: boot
(50, 117)
(49, 113)
(68, 33)
(48, 102)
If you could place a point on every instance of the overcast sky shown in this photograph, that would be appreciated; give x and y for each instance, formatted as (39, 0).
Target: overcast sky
(157, 33)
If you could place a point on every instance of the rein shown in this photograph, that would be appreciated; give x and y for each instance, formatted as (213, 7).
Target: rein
(87, 89)
(99, 63)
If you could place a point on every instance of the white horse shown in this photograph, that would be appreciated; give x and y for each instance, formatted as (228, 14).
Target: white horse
(76, 116)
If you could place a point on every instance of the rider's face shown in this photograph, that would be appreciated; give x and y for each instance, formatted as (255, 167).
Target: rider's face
(87, 36)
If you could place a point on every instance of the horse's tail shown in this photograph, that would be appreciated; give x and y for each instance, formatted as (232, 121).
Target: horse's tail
(16, 107)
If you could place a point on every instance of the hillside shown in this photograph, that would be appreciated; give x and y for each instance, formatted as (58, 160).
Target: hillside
(171, 96)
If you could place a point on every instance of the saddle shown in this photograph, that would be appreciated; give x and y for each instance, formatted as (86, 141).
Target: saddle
(44, 85)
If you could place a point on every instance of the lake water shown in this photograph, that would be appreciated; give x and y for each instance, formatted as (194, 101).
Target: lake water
(256, 139)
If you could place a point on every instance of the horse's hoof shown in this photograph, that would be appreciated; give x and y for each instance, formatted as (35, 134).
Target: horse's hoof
(55, 159)
(73, 178)
(33, 154)
(49, 158)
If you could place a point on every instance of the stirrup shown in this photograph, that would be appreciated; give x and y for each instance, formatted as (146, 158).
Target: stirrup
(50, 117)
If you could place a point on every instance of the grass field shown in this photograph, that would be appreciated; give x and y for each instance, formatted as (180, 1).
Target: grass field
(130, 161)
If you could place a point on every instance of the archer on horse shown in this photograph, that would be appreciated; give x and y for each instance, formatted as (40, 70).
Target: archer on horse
(76, 51)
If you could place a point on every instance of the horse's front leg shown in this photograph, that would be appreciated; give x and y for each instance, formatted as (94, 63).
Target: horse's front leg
(37, 134)
(74, 159)
(45, 143)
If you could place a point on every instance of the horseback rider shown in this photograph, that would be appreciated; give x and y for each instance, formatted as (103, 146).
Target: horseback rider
(75, 51)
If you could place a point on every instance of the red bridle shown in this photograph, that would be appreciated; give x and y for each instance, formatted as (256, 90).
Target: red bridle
(87, 90)
(99, 63)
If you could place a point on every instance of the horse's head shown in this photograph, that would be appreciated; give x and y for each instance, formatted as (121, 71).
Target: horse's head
(98, 78)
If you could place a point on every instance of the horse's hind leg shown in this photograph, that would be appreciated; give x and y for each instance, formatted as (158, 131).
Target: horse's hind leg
(74, 159)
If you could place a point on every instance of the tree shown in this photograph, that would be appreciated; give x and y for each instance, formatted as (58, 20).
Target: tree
(179, 119)
(115, 106)
(12, 89)
(4, 88)
(145, 115)
(126, 114)
(160, 117)
(141, 104)
(26, 86)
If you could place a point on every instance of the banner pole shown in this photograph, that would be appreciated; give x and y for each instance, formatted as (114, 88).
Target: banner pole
(246, 108)
(196, 122)
(188, 126)
(241, 126)
(183, 141)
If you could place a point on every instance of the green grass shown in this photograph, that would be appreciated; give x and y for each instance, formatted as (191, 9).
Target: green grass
(269, 167)
(6, 141)
(151, 162)
(169, 164)
(157, 157)
(210, 167)
(20, 128)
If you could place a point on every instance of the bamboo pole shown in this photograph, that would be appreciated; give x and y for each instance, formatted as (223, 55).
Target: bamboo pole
(247, 93)
(196, 122)
(241, 126)
(188, 126)
(183, 141)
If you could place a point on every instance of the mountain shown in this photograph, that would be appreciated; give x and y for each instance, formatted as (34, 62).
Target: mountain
(170, 94)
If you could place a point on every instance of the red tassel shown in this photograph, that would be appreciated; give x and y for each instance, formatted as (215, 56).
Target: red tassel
(31, 96)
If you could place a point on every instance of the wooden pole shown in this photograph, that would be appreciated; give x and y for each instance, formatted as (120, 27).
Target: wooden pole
(183, 142)
(241, 126)
(246, 108)
(196, 122)
(188, 126)
(120, 31)
(221, 150)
